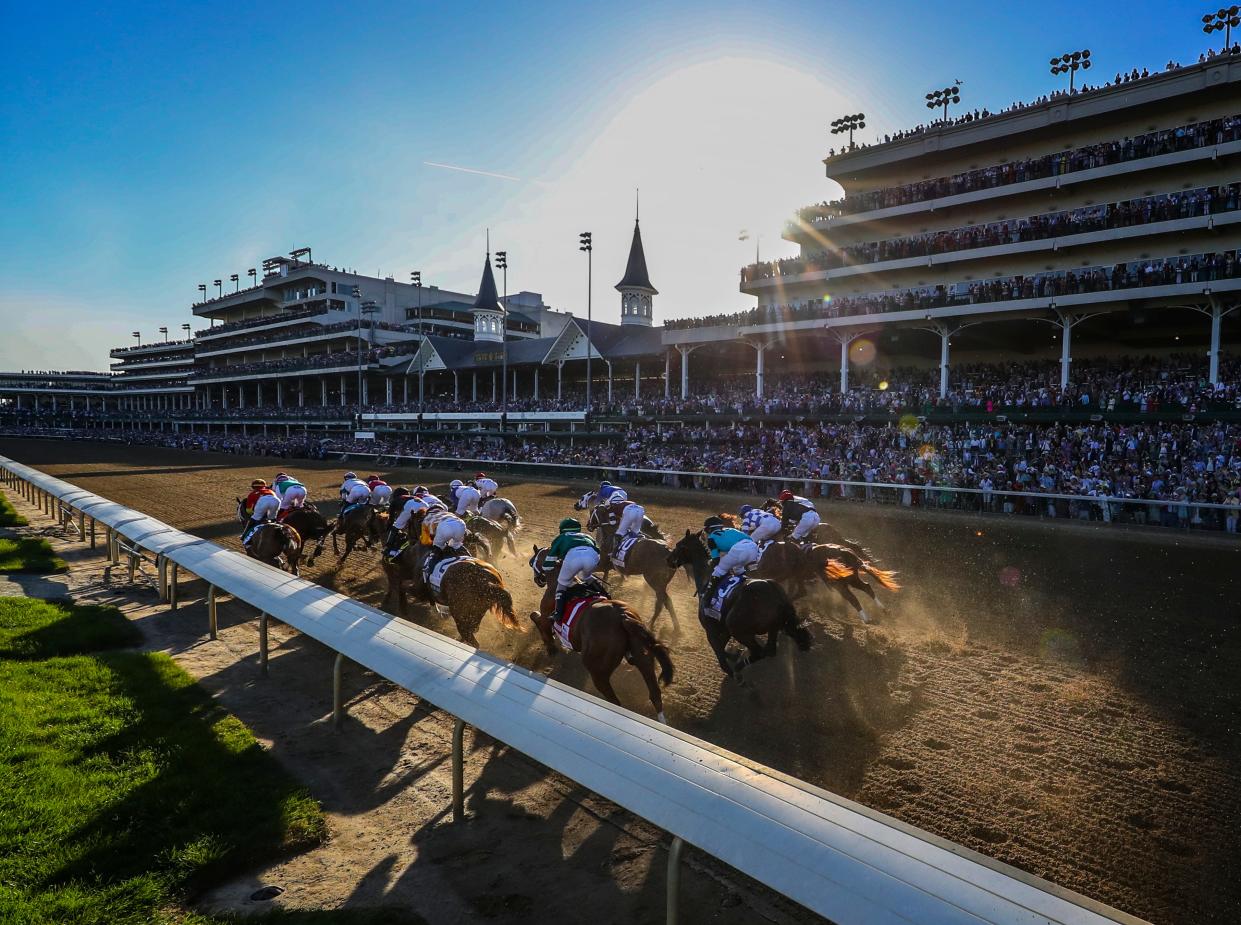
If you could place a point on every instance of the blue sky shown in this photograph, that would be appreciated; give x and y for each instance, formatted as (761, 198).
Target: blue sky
(145, 148)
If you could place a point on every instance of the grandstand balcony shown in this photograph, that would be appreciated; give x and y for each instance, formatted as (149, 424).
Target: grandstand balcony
(130, 364)
(379, 333)
(161, 347)
(271, 321)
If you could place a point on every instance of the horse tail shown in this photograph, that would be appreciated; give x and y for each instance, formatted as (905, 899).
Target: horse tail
(500, 602)
(642, 639)
(885, 577)
(793, 626)
(836, 570)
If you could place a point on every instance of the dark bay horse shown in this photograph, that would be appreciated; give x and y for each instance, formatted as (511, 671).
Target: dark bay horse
(759, 607)
(823, 533)
(274, 544)
(647, 558)
(606, 632)
(842, 569)
(310, 525)
(360, 524)
(499, 534)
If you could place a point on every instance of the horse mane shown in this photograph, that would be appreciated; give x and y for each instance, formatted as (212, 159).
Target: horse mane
(729, 519)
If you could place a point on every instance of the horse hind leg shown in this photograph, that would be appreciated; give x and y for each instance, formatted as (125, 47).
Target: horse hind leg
(852, 601)
(868, 589)
(646, 666)
(603, 684)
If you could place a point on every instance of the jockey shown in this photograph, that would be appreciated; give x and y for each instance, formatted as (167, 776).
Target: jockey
(761, 525)
(447, 531)
(396, 530)
(486, 487)
(453, 487)
(731, 551)
(799, 513)
(261, 504)
(467, 498)
(577, 555)
(381, 491)
(626, 514)
(353, 490)
(290, 491)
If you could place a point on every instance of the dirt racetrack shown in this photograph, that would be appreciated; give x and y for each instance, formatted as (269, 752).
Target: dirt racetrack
(1061, 697)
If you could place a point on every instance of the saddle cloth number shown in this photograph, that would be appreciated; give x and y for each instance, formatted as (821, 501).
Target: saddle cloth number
(436, 576)
(622, 551)
(565, 626)
(714, 608)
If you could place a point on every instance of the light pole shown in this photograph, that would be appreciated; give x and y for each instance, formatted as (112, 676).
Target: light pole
(186, 328)
(253, 274)
(416, 278)
(367, 308)
(848, 124)
(942, 98)
(357, 297)
(586, 244)
(202, 287)
(1223, 20)
(1071, 62)
(236, 281)
(164, 331)
(219, 287)
(138, 335)
(502, 264)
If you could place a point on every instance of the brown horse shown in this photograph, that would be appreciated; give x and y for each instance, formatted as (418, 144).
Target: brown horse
(606, 632)
(759, 607)
(360, 524)
(824, 533)
(274, 544)
(470, 590)
(497, 533)
(843, 568)
(310, 525)
(648, 558)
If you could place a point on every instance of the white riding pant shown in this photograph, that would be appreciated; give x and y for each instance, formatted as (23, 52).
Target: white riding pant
(412, 506)
(380, 495)
(294, 496)
(450, 533)
(266, 508)
(744, 553)
(358, 493)
(768, 529)
(806, 525)
(579, 562)
(631, 520)
(467, 501)
(487, 487)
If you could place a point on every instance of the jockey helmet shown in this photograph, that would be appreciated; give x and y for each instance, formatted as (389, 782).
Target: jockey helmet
(570, 525)
(786, 495)
(281, 475)
(351, 475)
(372, 478)
(606, 491)
(420, 491)
(258, 483)
(456, 483)
(604, 484)
(746, 508)
(480, 475)
(712, 524)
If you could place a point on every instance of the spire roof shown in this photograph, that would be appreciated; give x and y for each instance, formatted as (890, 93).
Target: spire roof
(636, 276)
(488, 299)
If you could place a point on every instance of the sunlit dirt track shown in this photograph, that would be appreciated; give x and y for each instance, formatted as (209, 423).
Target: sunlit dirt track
(1061, 697)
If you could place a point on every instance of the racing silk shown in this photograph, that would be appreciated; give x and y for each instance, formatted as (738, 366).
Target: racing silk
(431, 501)
(348, 485)
(253, 498)
(412, 506)
(467, 500)
(756, 517)
(375, 484)
(280, 486)
(793, 511)
(563, 543)
(617, 494)
(487, 487)
(721, 541)
(266, 507)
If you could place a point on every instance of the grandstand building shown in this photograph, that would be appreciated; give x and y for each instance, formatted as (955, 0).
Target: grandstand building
(1103, 218)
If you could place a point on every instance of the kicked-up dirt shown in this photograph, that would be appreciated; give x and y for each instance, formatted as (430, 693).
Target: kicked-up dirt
(1062, 697)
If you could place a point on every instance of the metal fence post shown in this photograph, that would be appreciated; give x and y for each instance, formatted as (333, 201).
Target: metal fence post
(161, 573)
(172, 586)
(82, 526)
(458, 771)
(212, 621)
(674, 880)
(263, 642)
(92, 533)
(338, 708)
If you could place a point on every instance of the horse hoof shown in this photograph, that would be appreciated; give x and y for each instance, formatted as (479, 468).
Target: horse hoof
(660, 718)
(865, 617)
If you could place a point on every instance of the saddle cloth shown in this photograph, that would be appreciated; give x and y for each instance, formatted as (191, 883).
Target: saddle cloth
(571, 612)
(249, 535)
(435, 578)
(622, 551)
(715, 607)
(763, 547)
(352, 507)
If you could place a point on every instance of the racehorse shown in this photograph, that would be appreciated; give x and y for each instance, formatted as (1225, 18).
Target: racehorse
(605, 632)
(823, 533)
(310, 525)
(470, 589)
(361, 522)
(843, 568)
(501, 510)
(648, 557)
(590, 502)
(274, 544)
(759, 607)
(497, 533)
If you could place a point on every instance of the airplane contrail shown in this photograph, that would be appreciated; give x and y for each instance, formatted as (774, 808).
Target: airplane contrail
(481, 173)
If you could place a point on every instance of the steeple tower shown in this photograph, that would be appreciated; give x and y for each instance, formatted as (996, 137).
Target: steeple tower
(635, 288)
(488, 313)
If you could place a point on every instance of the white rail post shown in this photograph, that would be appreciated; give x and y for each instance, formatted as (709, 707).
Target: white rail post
(458, 771)
(212, 620)
(161, 573)
(672, 908)
(133, 565)
(263, 642)
(172, 586)
(338, 709)
(82, 526)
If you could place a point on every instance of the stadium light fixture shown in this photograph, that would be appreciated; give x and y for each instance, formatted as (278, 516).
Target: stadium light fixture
(138, 336)
(299, 252)
(415, 277)
(1223, 20)
(219, 287)
(164, 331)
(849, 124)
(202, 287)
(1070, 63)
(236, 281)
(586, 243)
(253, 274)
(938, 99)
(502, 265)
(368, 308)
(186, 328)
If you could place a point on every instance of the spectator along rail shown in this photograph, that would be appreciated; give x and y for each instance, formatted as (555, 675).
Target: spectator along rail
(834, 857)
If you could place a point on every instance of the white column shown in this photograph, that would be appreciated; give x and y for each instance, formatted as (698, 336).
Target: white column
(456, 387)
(685, 351)
(637, 379)
(609, 362)
(301, 392)
(342, 391)
(761, 351)
(323, 391)
(513, 391)
(667, 375)
(536, 383)
(559, 377)
(473, 387)
(405, 390)
(241, 394)
(844, 365)
(366, 390)
(1066, 358)
(279, 393)
(494, 391)
(1217, 314)
(944, 333)
(388, 390)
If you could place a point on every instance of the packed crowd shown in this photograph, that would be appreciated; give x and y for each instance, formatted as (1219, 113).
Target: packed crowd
(1165, 141)
(307, 312)
(339, 358)
(340, 327)
(1209, 200)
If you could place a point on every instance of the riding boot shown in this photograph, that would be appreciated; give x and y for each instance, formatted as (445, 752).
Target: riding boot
(558, 609)
(393, 541)
(713, 585)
